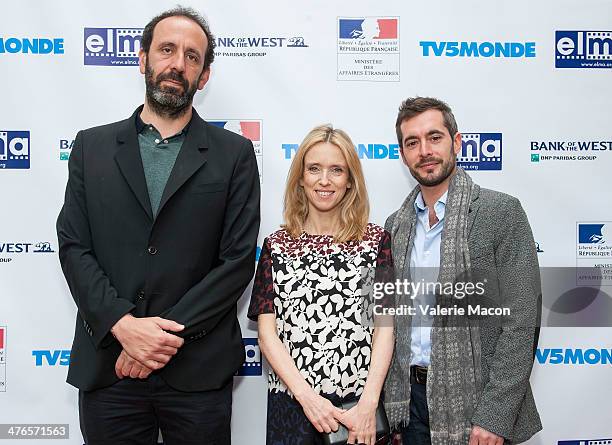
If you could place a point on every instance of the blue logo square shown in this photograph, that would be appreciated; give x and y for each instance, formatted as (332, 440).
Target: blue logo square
(252, 362)
(111, 46)
(480, 151)
(14, 149)
(583, 49)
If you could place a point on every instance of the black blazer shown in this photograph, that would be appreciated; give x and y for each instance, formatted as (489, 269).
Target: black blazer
(190, 264)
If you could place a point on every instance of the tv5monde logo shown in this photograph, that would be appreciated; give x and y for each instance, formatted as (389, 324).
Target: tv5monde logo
(480, 151)
(112, 46)
(583, 49)
(252, 362)
(14, 149)
(45, 357)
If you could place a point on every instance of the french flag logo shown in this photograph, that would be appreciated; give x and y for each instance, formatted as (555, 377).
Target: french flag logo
(368, 28)
(249, 129)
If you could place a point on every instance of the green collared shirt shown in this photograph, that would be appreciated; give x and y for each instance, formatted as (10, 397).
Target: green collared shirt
(158, 157)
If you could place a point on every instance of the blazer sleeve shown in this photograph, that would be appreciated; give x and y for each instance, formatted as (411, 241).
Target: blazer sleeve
(517, 269)
(206, 303)
(98, 303)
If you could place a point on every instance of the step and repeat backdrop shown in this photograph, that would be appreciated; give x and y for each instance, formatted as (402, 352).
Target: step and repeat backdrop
(530, 84)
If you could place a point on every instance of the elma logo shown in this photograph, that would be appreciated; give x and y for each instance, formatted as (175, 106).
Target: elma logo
(55, 357)
(252, 362)
(2, 358)
(583, 49)
(586, 442)
(368, 28)
(558, 356)
(112, 46)
(250, 129)
(14, 149)
(14, 45)
(478, 49)
(480, 151)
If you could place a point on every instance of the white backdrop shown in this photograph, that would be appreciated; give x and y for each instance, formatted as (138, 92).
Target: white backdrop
(314, 70)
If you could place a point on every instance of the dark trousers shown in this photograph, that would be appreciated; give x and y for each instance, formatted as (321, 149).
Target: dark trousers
(417, 431)
(132, 411)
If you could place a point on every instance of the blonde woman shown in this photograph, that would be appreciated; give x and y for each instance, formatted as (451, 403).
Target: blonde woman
(308, 303)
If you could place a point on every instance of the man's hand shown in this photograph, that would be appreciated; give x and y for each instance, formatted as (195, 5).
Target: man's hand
(126, 366)
(480, 436)
(145, 339)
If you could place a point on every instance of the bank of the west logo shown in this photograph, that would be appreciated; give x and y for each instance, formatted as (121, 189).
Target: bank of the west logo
(2, 358)
(252, 362)
(368, 48)
(112, 46)
(14, 45)
(65, 148)
(14, 149)
(250, 129)
(434, 48)
(9, 250)
(570, 150)
(252, 46)
(480, 151)
(583, 49)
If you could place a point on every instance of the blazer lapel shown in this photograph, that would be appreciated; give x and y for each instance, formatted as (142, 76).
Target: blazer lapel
(191, 158)
(130, 163)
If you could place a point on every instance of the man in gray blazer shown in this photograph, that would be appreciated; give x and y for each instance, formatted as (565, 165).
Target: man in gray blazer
(457, 379)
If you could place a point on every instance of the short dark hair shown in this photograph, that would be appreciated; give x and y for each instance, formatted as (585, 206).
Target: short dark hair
(414, 106)
(180, 11)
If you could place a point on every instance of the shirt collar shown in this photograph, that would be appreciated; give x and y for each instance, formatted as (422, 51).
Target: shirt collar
(439, 206)
(140, 125)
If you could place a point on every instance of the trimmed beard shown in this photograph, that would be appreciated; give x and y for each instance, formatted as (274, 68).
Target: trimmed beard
(168, 101)
(447, 170)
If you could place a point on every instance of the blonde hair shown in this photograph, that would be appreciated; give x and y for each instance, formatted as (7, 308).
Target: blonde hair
(354, 207)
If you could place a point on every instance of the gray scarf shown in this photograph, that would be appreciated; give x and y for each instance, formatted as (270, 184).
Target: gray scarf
(454, 380)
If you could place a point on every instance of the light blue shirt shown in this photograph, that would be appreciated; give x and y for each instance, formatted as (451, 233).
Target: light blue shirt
(424, 265)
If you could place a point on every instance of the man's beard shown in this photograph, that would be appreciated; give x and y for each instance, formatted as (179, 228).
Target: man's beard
(447, 169)
(168, 101)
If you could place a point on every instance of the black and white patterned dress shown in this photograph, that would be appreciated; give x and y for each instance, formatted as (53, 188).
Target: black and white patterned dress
(314, 287)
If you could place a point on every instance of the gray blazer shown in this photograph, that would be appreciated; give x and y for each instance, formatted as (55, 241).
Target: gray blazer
(500, 241)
